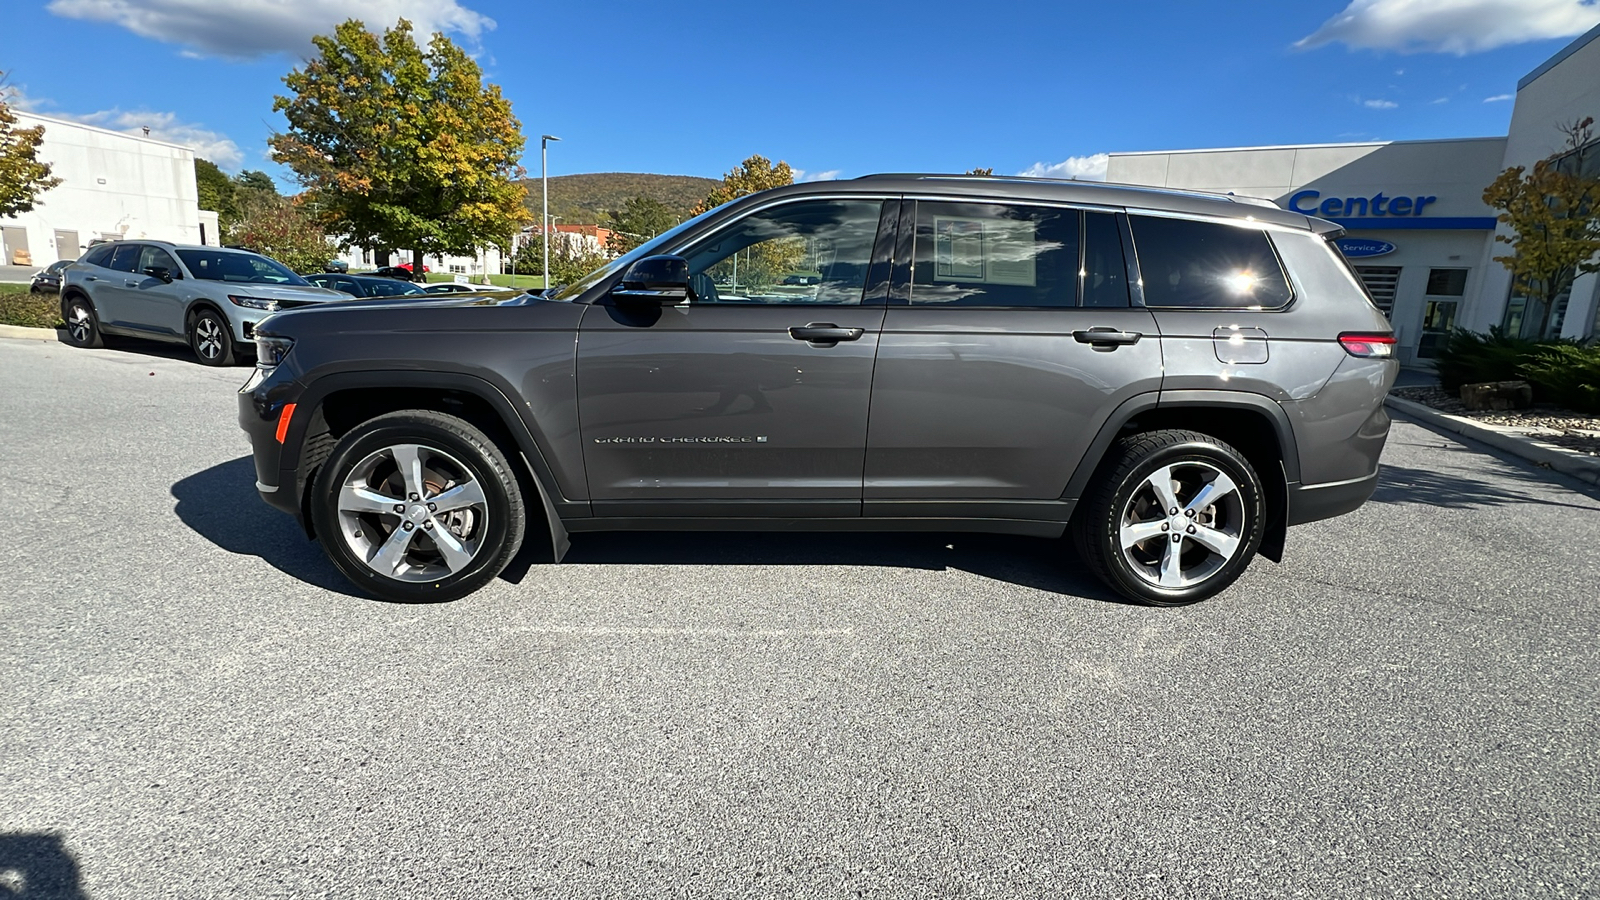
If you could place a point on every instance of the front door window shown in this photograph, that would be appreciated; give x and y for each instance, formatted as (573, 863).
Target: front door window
(814, 252)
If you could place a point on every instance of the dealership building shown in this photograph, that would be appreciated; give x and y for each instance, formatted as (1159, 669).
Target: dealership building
(1417, 229)
(113, 186)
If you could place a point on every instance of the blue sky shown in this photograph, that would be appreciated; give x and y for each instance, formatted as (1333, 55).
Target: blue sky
(837, 89)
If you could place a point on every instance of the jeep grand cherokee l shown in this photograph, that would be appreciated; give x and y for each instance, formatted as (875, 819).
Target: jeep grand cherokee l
(1173, 378)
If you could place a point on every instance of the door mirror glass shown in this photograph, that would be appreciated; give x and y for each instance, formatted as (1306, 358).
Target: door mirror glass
(655, 279)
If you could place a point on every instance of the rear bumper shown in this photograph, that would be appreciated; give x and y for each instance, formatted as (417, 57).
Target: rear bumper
(1310, 502)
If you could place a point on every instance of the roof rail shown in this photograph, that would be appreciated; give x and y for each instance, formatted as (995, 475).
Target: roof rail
(1181, 192)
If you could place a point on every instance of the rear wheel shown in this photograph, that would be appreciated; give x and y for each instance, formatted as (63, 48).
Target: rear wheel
(211, 338)
(1176, 519)
(83, 327)
(418, 506)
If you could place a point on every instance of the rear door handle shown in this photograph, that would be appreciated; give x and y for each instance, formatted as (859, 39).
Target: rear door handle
(131, 283)
(825, 333)
(1106, 337)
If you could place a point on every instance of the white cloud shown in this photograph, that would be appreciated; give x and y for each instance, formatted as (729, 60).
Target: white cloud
(1452, 26)
(251, 28)
(802, 175)
(1082, 168)
(163, 126)
(1498, 97)
(1441, 100)
(1379, 104)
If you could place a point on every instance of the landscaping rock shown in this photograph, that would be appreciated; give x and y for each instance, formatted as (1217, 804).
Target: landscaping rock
(1497, 395)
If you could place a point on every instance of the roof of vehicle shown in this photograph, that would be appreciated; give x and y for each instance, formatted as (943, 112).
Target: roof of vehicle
(172, 246)
(1059, 190)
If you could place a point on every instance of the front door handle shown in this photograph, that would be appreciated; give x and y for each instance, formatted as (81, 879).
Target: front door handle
(1104, 337)
(825, 333)
(131, 283)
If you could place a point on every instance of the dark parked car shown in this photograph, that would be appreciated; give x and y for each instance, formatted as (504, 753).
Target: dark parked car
(336, 265)
(48, 279)
(450, 287)
(364, 285)
(1174, 379)
(404, 274)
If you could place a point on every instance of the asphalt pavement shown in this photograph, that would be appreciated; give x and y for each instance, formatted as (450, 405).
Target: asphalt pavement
(196, 705)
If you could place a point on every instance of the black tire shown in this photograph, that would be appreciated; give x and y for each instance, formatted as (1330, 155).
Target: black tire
(1124, 496)
(211, 337)
(493, 533)
(82, 324)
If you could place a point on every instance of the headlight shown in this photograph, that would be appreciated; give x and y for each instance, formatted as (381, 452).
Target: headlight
(254, 303)
(270, 350)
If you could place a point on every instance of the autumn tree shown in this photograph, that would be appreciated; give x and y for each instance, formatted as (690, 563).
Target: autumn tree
(400, 146)
(988, 171)
(284, 229)
(640, 219)
(755, 174)
(1554, 214)
(22, 176)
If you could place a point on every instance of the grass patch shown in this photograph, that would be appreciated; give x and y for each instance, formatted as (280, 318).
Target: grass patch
(495, 278)
(19, 307)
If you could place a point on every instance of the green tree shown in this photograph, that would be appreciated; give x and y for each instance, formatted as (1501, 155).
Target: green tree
(755, 174)
(1554, 213)
(282, 228)
(639, 220)
(989, 171)
(22, 176)
(216, 193)
(401, 146)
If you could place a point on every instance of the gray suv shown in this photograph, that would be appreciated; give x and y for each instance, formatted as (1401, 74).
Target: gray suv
(208, 297)
(1172, 378)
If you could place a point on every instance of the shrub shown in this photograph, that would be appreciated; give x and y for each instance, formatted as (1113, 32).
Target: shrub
(19, 307)
(1469, 358)
(1567, 375)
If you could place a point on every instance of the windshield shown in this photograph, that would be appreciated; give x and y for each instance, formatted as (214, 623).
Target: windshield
(648, 248)
(228, 265)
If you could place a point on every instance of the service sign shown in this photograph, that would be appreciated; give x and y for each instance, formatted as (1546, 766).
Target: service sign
(1356, 248)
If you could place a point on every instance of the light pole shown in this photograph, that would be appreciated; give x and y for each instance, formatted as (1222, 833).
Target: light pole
(544, 219)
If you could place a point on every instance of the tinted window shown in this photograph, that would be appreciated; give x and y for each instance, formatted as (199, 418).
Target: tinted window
(388, 287)
(1447, 282)
(811, 251)
(983, 254)
(1207, 265)
(126, 258)
(227, 265)
(98, 255)
(1105, 270)
(155, 256)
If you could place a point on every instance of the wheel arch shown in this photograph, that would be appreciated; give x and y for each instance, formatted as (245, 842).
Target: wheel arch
(334, 404)
(1253, 424)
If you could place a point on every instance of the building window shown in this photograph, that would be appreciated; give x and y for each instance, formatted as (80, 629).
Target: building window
(458, 270)
(1446, 287)
(1381, 282)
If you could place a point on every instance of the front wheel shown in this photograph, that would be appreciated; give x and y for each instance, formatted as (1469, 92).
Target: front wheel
(1176, 519)
(418, 506)
(211, 338)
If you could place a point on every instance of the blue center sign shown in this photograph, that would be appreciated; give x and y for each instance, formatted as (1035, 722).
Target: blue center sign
(1355, 248)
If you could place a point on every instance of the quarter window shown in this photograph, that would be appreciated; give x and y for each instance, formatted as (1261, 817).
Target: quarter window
(1207, 265)
(982, 254)
(99, 255)
(813, 251)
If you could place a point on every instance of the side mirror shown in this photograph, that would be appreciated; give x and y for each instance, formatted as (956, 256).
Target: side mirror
(662, 280)
(161, 272)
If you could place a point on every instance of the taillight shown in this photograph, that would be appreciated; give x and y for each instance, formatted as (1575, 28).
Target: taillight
(1367, 346)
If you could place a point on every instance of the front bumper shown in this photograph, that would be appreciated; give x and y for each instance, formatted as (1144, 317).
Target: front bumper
(258, 416)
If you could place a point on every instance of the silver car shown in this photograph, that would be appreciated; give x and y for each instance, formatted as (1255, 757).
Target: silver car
(208, 297)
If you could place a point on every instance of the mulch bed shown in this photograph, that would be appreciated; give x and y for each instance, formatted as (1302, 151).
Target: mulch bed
(1548, 424)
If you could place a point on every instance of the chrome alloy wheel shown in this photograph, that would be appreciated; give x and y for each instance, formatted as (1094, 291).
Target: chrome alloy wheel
(412, 513)
(208, 337)
(1182, 524)
(80, 325)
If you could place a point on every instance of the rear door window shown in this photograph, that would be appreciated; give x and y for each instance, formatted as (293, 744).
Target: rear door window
(995, 255)
(1190, 264)
(126, 258)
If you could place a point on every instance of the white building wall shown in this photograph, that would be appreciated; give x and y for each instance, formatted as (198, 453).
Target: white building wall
(114, 186)
(1563, 90)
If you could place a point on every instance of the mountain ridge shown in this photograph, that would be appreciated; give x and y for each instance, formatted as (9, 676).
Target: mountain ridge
(583, 198)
